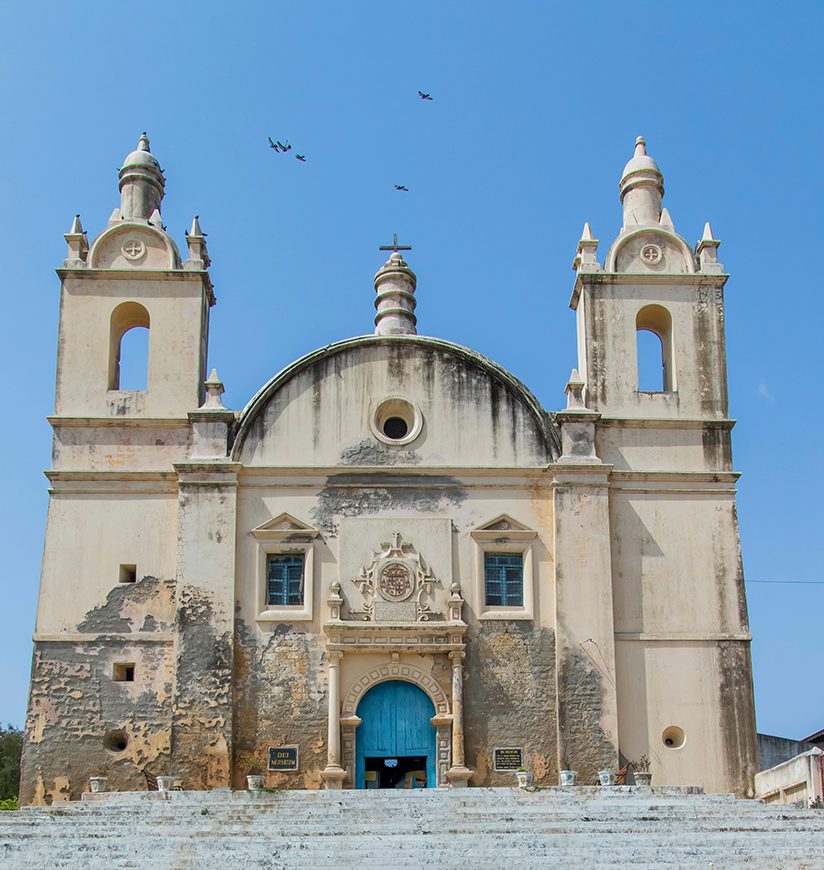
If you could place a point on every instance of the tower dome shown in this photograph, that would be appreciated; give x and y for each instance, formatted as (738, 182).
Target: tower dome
(141, 183)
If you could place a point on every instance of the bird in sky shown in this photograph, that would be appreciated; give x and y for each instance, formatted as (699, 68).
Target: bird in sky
(424, 96)
(401, 187)
(272, 145)
(301, 157)
(286, 147)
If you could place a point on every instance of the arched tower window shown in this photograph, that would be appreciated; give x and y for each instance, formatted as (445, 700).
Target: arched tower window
(655, 352)
(129, 347)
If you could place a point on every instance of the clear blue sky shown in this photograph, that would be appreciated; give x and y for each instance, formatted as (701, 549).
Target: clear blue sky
(536, 109)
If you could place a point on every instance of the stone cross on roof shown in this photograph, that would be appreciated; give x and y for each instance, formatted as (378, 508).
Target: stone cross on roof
(395, 246)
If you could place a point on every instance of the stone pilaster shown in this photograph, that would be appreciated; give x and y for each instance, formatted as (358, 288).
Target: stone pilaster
(205, 598)
(585, 646)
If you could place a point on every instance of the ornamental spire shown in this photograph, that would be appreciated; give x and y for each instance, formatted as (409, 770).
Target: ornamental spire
(141, 184)
(641, 189)
(395, 285)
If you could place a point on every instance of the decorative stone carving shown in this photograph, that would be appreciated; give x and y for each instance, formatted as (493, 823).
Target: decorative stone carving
(397, 586)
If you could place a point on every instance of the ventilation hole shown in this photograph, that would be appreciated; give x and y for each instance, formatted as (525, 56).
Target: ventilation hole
(128, 574)
(123, 672)
(673, 737)
(395, 428)
(116, 741)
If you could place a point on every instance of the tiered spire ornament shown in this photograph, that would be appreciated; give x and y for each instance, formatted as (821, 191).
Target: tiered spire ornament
(198, 258)
(707, 252)
(78, 245)
(585, 260)
(142, 185)
(641, 189)
(395, 285)
(214, 390)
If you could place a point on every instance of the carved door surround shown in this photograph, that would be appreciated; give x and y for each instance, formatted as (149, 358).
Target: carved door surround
(428, 622)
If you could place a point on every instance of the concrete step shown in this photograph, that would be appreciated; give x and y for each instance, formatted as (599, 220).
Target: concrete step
(579, 828)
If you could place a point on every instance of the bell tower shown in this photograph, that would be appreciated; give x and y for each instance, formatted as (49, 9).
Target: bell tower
(652, 281)
(132, 276)
(683, 674)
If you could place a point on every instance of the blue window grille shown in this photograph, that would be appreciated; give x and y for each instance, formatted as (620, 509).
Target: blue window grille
(504, 579)
(284, 579)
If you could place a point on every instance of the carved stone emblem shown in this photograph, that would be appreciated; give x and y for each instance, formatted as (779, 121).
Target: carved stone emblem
(396, 582)
(651, 254)
(397, 585)
(133, 249)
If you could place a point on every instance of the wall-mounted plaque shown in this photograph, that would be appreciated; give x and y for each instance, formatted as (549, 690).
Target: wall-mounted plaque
(283, 758)
(507, 757)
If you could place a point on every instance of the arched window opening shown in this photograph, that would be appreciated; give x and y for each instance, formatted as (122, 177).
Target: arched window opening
(129, 347)
(655, 353)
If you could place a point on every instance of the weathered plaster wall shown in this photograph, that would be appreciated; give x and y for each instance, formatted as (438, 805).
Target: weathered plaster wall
(510, 699)
(496, 429)
(75, 703)
(92, 528)
(178, 313)
(122, 445)
(610, 349)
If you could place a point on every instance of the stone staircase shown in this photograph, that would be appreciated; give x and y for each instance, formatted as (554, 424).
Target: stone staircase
(580, 828)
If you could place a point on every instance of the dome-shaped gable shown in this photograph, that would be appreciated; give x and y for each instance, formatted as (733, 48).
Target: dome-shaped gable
(400, 400)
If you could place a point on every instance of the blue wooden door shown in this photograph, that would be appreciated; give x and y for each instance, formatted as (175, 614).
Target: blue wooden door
(395, 723)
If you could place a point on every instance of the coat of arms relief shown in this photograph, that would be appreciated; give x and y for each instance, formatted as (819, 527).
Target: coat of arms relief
(397, 586)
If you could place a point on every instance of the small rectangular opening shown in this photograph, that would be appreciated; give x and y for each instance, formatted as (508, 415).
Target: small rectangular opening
(123, 672)
(128, 574)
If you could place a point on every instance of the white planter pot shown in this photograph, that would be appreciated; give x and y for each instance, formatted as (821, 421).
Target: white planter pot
(98, 784)
(524, 778)
(568, 777)
(606, 777)
(642, 777)
(165, 783)
(254, 781)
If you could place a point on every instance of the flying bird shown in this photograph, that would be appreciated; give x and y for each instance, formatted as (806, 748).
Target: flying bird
(401, 187)
(424, 96)
(272, 145)
(301, 157)
(286, 147)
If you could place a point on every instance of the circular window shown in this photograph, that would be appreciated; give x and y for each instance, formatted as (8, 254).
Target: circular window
(396, 421)
(673, 737)
(116, 741)
(395, 428)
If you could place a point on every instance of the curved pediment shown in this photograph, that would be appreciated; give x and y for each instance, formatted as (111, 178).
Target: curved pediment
(395, 401)
(134, 246)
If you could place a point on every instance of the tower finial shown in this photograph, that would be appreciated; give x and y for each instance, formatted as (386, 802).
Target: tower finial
(395, 285)
(642, 188)
(141, 184)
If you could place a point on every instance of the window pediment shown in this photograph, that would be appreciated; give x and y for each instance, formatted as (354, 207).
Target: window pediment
(286, 528)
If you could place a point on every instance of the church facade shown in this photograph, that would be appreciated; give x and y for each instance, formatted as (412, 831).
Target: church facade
(394, 567)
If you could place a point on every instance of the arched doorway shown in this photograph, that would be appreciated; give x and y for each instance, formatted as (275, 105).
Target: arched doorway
(395, 743)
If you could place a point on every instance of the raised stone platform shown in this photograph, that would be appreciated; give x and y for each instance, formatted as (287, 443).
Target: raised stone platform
(468, 828)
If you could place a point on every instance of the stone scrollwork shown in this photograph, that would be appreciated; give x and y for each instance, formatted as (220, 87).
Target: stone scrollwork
(396, 585)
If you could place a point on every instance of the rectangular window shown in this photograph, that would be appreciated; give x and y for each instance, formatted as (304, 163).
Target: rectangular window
(284, 579)
(504, 579)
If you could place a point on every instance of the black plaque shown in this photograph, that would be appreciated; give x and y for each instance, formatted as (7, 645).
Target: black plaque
(507, 757)
(283, 758)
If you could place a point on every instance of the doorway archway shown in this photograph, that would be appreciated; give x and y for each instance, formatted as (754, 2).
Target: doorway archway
(395, 744)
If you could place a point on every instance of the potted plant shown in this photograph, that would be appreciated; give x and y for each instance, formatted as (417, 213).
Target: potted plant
(165, 783)
(606, 777)
(641, 771)
(568, 777)
(254, 777)
(524, 777)
(99, 782)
